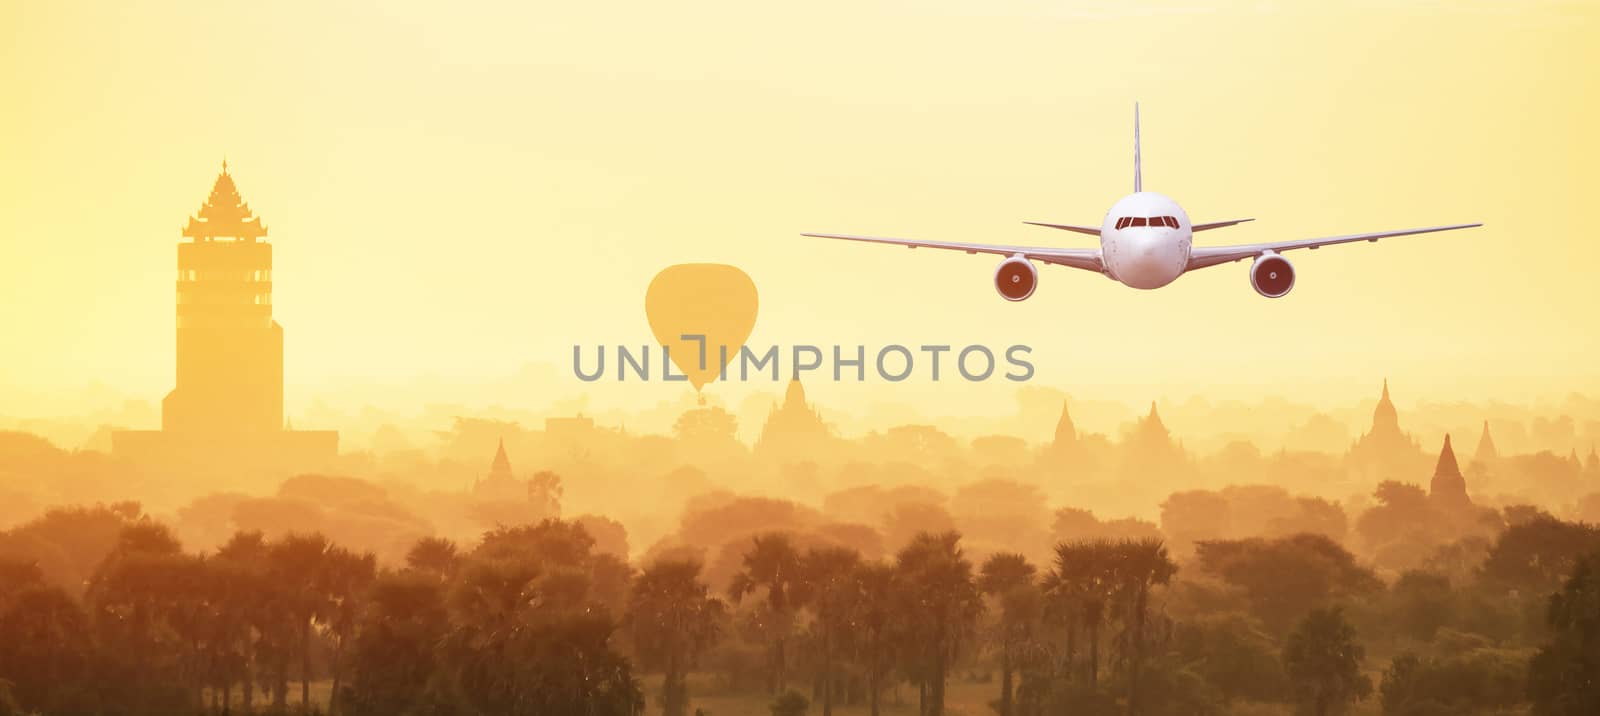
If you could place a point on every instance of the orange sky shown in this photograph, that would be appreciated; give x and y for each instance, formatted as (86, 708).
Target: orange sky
(456, 193)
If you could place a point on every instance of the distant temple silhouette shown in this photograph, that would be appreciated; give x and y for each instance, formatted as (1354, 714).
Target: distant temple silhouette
(794, 430)
(1487, 453)
(1448, 489)
(226, 410)
(1063, 448)
(1149, 450)
(1385, 451)
(500, 483)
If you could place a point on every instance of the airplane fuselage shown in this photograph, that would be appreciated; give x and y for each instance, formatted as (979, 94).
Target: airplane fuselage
(1140, 246)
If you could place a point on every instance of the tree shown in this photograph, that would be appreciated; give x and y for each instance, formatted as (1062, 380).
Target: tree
(772, 564)
(1233, 653)
(1284, 578)
(1139, 565)
(941, 604)
(46, 650)
(1561, 677)
(299, 560)
(1079, 588)
(435, 556)
(831, 581)
(790, 703)
(674, 620)
(1422, 602)
(343, 579)
(394, 665)
(1478, 681)
(527, 634)
(245, 611)
(1323, 662)
(876, 620)
(1008, 578)
(1538, 553)
(137, 602)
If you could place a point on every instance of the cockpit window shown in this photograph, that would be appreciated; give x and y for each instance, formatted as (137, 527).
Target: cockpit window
(1127, 221)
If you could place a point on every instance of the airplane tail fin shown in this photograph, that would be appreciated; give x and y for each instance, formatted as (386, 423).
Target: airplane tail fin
(1138, 181)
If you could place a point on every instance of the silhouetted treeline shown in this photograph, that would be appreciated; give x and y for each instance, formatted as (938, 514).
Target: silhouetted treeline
(534, 619)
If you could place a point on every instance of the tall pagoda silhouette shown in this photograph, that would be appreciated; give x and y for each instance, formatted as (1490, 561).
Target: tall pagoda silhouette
(226, 409)
(1386, 452)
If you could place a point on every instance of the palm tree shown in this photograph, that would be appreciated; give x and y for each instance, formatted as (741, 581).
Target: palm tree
(674, 620)
(1005, 576)
(942, 604)
(434, 555)
(298, 560)
(1079, 587)
(834, 590)
(875, 620)
(344, 578)
(241, 621)
(773, 564)
(1140, 565)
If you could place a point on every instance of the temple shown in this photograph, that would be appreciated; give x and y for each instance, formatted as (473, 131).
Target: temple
(226, 408)
(1386, 452)
(1148, 448)
(1487, 453)
(1065, 442)
(500, 483)
(794, 430)
(1448, 489)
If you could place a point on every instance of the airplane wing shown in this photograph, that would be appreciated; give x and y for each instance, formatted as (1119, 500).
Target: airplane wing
(1217, 224)
(1086, 259)
(1090, 230)
(1203, 256)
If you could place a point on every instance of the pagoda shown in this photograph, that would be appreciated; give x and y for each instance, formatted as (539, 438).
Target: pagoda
(1149, 448)
(1386, 452)
(1448, 489)
(794, 429)
(1066, 436)
(230, 351)
(500, 483)
(1486, 453)
(227, 404)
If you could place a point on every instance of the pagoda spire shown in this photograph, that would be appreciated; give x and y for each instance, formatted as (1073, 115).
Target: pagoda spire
(224, 214)
(1486, 452)
(1066, 432)
(501, 467)
(1385, 419)
(795, 394)
(1447, 460)
(1448, 487)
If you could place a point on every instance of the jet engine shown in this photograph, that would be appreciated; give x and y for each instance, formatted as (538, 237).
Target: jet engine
(1016, 278)
(1271, 275)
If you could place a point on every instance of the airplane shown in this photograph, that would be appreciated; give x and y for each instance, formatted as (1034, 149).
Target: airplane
(1146, 242)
